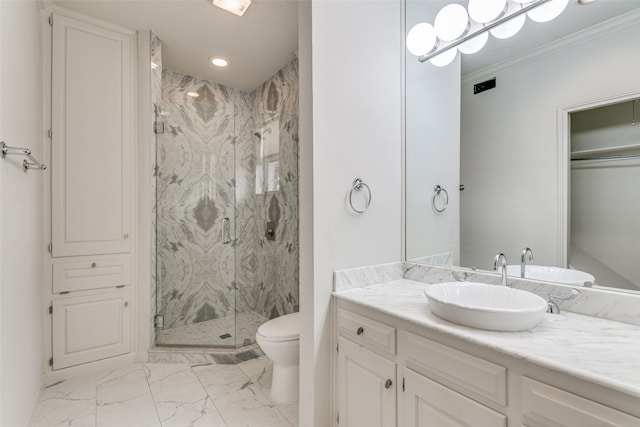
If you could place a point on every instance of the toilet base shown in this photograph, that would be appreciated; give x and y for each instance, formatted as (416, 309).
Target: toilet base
(285, 383)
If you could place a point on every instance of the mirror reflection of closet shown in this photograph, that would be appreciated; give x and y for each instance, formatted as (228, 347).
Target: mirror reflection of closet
(605, 193)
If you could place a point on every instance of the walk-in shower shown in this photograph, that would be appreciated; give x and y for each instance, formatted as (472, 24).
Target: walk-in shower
(226, 217)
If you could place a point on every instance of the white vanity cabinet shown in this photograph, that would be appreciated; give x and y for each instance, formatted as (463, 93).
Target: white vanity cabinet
(90, 279)
(366, 372)
(437, 385)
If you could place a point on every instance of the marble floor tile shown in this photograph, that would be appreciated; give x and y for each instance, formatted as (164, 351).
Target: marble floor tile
(167, 395)
(65, 412)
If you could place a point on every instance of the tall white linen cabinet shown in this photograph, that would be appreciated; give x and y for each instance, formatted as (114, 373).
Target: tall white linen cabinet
(90, 257)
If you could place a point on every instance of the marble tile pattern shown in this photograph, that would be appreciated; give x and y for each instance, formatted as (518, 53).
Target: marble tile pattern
(207, 165)
(267, 274)
(445, 258)
(160, 394)
(597, 350)
(195, 356)
(357, 277)
(195, 192)
(224, 331)
(605, 304)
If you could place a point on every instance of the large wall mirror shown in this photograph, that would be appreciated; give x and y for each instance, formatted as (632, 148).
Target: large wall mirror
(548, 159)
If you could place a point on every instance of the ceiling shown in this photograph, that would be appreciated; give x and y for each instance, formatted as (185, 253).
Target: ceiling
(258, 44)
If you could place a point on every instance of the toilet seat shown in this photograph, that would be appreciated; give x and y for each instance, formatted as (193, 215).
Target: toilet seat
(283, 328)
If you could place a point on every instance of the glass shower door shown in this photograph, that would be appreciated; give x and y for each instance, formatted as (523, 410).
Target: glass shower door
(195, 198)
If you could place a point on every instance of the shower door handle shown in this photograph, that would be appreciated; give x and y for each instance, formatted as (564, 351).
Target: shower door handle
(226, 231)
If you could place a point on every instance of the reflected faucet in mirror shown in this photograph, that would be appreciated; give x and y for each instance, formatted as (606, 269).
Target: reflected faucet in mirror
(526, 254)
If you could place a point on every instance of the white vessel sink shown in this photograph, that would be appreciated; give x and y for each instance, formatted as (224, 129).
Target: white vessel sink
(552, 274)
(492, 307)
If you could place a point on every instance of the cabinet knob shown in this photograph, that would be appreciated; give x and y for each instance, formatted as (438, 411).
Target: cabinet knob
(360, 331)
(388, 384)
(126, 304)
(126, 236)
(93, 265)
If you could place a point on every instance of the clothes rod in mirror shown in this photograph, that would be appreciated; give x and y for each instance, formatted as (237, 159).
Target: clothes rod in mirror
(427, 43)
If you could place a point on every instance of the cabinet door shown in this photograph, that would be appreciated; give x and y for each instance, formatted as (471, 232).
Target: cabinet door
(92, 100)
(366, 387)
(90, 328)
(547, 406)
(429, 404)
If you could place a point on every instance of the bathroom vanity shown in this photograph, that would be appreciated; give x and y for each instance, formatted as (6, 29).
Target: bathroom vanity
(397, 364)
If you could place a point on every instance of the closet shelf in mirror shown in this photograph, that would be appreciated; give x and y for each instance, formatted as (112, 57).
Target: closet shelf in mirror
(615, 151)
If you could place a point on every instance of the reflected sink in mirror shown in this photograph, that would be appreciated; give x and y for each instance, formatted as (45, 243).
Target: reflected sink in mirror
(482, 306)
(552, 274)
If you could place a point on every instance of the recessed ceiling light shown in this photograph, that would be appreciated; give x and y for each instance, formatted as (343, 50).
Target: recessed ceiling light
(193, 94)
(237, 7)
(219, 61)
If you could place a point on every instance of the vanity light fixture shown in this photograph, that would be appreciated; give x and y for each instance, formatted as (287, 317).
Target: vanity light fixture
(237, 7)
(219, 61)
(456, 29)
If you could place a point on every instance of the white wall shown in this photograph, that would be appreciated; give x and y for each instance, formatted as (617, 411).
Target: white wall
(21, 213)
(356, 84)
(509, 153)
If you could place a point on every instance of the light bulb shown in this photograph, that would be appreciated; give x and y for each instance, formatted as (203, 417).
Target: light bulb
(445, 58)
(475, 44)
(421, 39)
(451, 22)
(512, 26)
(485, 11)
(548, 11)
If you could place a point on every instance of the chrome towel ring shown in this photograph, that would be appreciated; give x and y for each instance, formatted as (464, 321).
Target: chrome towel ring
(436, 192)
(357, 186)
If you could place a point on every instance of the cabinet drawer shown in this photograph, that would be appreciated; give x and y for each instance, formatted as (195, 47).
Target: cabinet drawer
(461, 371)
(544, 405)
(91, 274)
(367, 332)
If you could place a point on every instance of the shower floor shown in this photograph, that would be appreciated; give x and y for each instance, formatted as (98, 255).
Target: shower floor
(219, 332)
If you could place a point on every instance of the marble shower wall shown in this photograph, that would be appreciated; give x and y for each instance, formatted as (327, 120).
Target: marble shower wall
(209, 161)
(195, 192)
(268, 273)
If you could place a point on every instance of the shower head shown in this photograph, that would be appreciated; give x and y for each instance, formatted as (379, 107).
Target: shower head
(258, 135)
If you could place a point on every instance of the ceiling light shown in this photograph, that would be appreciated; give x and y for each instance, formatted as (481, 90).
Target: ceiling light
(421, 39)
(451, 22)
(237, 7)
(219, 61)
(193, 94)
(154, 66)
(548, 11)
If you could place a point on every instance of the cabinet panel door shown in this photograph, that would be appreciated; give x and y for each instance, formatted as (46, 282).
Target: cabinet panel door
(544, 405)
(90, 328)
(92, 100)
(429, 404)
(366, 387)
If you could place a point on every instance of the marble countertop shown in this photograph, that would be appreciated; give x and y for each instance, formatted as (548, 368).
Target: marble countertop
(601, 351)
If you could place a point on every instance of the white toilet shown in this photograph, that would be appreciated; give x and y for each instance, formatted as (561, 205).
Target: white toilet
(279, 338)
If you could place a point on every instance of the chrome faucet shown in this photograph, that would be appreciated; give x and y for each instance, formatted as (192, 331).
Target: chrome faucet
(502, 259)
(526, 254)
